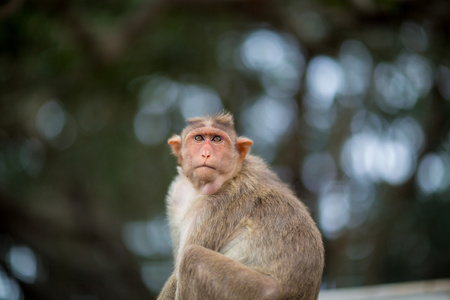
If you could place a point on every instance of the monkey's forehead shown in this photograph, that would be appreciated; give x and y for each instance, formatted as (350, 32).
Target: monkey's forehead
(205, 123)
(209, 131)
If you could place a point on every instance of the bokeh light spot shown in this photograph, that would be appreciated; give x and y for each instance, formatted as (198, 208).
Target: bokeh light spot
(262, 49)
(9, 289)
(23, 263)
(151, 128)
(147, 239)
(372, 156)
(431, 174)
(198, 100)
(334, 211)
(267, 122)
(414, 37)
(356, 62)
(324, 79)
(50, 119)
(318, 169)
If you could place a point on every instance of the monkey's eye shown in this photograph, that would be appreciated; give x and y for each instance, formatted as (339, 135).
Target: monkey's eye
(198, 138)
(216, 139)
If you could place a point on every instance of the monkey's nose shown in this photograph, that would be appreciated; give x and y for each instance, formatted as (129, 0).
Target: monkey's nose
(206, 152)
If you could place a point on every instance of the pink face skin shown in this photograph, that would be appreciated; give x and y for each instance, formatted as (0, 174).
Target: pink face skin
(209, 153)
(209, 157)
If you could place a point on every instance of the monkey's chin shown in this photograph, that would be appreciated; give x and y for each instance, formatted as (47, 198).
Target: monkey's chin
(205, 174)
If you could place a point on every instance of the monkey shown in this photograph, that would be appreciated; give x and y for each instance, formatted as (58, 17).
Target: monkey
(238, 232)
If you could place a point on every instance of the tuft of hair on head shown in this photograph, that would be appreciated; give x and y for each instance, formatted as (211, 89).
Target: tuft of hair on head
(224, 118)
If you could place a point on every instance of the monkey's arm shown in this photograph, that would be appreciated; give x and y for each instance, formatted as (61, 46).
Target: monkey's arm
(169, 289)
(206, 274)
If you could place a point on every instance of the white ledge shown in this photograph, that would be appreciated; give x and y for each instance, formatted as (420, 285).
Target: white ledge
(420, 290)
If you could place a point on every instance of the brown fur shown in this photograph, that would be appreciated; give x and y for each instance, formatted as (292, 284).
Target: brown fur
(251, 239)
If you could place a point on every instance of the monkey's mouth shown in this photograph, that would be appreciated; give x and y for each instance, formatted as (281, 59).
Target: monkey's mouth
(205, 166)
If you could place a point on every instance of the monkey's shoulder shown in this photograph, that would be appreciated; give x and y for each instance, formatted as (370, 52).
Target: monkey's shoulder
(256, 174)
(274, 207)
(261, 187)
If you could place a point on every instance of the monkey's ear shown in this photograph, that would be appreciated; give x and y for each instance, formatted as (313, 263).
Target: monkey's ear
(175, 143)
(243, 145)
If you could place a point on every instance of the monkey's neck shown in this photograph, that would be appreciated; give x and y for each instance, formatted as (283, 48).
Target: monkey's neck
(206, 187)
(210, 188)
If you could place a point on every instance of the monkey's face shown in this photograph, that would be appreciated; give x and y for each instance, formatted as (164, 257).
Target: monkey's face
(208, 153)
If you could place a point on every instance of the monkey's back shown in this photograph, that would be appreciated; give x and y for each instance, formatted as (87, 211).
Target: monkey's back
(271, 230)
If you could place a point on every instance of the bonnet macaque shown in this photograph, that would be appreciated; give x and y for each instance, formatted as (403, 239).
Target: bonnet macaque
(238, 231)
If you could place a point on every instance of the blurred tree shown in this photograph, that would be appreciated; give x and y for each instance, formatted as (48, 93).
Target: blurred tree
(349, 101)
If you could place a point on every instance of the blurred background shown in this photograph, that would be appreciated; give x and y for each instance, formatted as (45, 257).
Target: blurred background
(349, 102)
